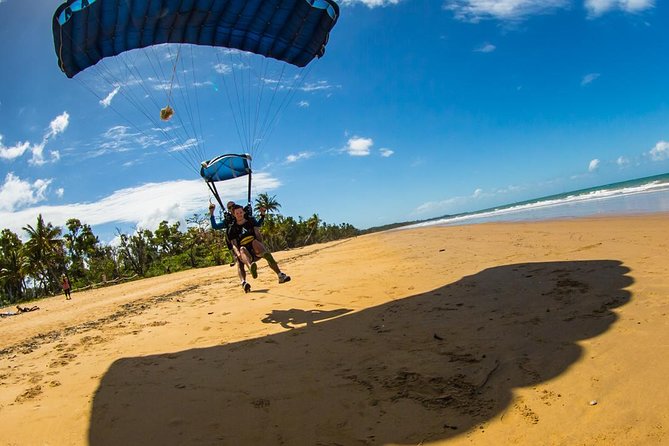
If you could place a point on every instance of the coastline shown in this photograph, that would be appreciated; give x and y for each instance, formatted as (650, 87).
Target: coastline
(440, 335)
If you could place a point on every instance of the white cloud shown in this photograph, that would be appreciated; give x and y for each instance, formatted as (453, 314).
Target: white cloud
(386, 152)
(450, 205)
(299, 156)
(486, 48)
(598, 7)
(370, 3)
(594, 165)
(476, 10)
(106, 102)
(358, 146)
(14, 151)
(589, 78)
(303, 104)
(59, 192)
(58, 125)
(144, 206)
(120, 138)
(15, 193)
(622, 161)
(186, 145)
(660, 152)
(435, 207)
(316, 86)
(222, 68)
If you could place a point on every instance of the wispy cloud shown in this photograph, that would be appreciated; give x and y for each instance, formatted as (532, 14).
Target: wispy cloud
(660, 152)
(589, 78)
(120, 138)
(448, 205)
(386, 152)
(485, 48)
(106, 102)
(596, 8)
(303, 104)
(594, 165)
(144, 206)
(316, 86)
(358, 146)
(222, 68)
(186, 145)
(298, 157)
(58, 125)
(370, 3)
(512, 10)
(15, 151)
(622, 161)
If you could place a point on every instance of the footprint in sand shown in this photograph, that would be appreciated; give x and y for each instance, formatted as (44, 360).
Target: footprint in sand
(528, 414)
(63, 360)
(29, 394)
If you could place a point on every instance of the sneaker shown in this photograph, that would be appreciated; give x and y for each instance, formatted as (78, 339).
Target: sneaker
(254, 270)
(246, 286)
(233, 263)
(283, 278)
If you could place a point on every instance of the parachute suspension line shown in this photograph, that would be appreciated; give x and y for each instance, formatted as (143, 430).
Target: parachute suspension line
(229, 95)
(214, 192)
(249, 189)
(255, 143)
(263, 127)
(105, 73)
(296, 84)
(188, 125)
(174, 71)
(241, 102)
(202, 152)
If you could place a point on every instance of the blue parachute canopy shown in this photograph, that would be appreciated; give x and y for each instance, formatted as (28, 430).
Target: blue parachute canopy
(292, 31)
(226, 167)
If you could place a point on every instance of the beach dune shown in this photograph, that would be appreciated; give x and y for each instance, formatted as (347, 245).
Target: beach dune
(517, 333)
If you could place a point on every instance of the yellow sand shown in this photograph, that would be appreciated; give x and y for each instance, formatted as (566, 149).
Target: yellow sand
(550, 333)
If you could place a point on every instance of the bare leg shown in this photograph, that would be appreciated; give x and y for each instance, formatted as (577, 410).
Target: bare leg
(260, 251)
(241, 272)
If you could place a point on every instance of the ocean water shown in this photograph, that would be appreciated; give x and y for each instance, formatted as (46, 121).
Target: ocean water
(643, 195)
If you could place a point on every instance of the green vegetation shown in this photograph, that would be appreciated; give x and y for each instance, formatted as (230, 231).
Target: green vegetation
(33, 269)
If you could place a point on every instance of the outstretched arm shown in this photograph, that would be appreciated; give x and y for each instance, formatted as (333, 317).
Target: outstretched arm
(214, 224)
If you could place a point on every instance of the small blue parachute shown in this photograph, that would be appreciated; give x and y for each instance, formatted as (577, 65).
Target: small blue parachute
(226, 167)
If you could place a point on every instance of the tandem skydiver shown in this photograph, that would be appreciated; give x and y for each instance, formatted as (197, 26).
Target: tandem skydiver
(225, 225)
(247, 244)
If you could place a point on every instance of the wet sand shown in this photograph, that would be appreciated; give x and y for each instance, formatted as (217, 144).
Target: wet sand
(548, 333)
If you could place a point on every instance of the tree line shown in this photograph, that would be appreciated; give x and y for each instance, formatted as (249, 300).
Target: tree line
(34, 269)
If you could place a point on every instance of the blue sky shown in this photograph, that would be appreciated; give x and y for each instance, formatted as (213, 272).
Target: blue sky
(417, 109)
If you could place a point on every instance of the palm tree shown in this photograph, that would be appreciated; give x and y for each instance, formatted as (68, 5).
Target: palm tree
(312, 224)
(11, 275)
(44, 254)
(269, 203)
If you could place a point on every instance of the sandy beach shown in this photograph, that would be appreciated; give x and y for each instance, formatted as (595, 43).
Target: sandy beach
(544, 333)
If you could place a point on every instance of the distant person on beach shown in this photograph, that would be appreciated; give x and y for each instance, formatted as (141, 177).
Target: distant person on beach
(247, 243)
(21, 309)
(226, 224)
(65, 283)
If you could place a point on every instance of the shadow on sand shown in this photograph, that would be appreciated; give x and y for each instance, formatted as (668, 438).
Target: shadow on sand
(423, 368)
